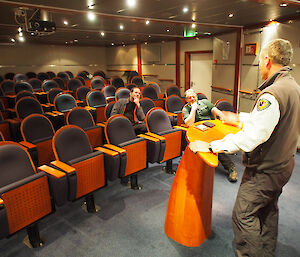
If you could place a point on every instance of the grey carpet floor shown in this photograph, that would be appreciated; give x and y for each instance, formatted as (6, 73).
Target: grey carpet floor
(131, 223)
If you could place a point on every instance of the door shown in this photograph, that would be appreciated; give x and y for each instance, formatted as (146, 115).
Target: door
(201, 73)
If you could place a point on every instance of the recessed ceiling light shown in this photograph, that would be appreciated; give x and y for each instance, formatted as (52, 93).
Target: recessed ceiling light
(230, 15)
(207, 33)
(133, 38)
(32, 33)
(146, 43)
(131, 3)
(13, 40)
(66, 42)
(19, 29)
(102, 34)
(163, 41)
(149, 36)
(283, 5)
(75, 40)
(123, 45)
(121, 27)
(66, 22)
(91, 16)
(112, 44)
(168, 30)
(21, 39)
(147, 22)
(193, 25)
(21, 34)
(185, 9)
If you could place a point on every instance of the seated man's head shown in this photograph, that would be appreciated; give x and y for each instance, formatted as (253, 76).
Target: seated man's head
(275, 55)
(135, 92)
(190, 96)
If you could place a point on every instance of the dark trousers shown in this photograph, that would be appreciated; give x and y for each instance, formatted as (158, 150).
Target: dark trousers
(226, 162)
(140, 128)
(255, 214)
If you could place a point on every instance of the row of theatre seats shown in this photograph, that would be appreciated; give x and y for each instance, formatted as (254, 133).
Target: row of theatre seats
(70, 147)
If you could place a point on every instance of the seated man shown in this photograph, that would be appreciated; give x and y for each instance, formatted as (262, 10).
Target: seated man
(132, 109)
(200, 110)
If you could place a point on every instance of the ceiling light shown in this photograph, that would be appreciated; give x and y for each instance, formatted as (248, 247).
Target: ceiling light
(230, 15)
(91, 16)
(147, 22)
(102, 34)
(133, 38)
(185, 9)
(123, 45)
(13, 40)
(283, 5)
(131, 3)
(21, 39)
(121, 27)
(19, 29)
(193, 25)
(66, 22)
(168, 30)
(32, 33)
(66, 42)
(146, 43)
(149, 36)
(75, 40)
(112, 44)
(21, 34)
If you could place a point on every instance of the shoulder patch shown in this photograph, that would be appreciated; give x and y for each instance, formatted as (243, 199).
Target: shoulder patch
(263, 104)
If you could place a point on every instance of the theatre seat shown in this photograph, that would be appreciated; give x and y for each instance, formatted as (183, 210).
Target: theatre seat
(60, 82)
(24, 194)
(64, 103)
(48, 85)
(159, 126)
(21, 86)
(130, 86)
(96, 99)
(73, 84)
(156, 86)
(37, 131)
(97, 83)
(117, 82)
(84, 167)
(138, 81)
(70, 74)
(4, 128)
(19, 77)
(99, 73)
(83, 119)
(174, 105)
(150, 92)
(224, 105)
(122, 92)
(109, 93)
(172, 89)
(36, 84)
(147, 104)
(42, 76)
(108, 109)
(201, 96)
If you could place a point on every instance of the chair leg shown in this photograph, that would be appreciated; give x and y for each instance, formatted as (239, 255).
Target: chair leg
(33, 239)
(89, 204)
(134, 183)
(168, 168)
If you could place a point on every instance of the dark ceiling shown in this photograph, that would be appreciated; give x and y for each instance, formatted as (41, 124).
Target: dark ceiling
(167, 20)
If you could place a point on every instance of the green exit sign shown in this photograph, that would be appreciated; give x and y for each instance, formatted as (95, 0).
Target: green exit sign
(189, 33)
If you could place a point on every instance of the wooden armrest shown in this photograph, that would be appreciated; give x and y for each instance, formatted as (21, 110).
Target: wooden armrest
(57, 112)
(65, 167)
(1, 202)
(27, 144)
(89, 108)
(53, 172)
(155, 135)
(149, 137)
(51, 114)
(115, 148)
(102, 124)
(180, 127)
(171, 114)
(107, 151)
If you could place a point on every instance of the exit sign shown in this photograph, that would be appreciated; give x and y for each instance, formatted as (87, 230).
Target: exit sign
(189, 33)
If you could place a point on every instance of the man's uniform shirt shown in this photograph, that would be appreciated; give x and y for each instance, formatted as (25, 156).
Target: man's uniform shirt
(203, 112)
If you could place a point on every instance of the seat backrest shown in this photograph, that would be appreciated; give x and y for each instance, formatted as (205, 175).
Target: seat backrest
(70, 142)
(52, 93)
(150, 92)
(130, 86)
(201, 96)
(15, 163)
(28, 105)
(172, 90)
(63, 75)
(81, 118)
(51, 74)
(60, 82)
(174, 104)
(31, 75)
(35, 83)
(42, 76)
(109, 91)
(70, 74)
(64, 102)
(156, 86)
(82, 92)
(122, 93)
(95, 99)
(158, 120)
(97, 83)
(138, 81)
(131, 75)
(119, 130)
(1, 135)
(49, 84)
(147, 104)
(19, 77)
(99, 73)
(36, 128)
(24, 94)
(83, 74)
(224, 105)
(7, 86)
(9, 75)
(117, 82)
(21, 86)
(73, 84)
(108, 109)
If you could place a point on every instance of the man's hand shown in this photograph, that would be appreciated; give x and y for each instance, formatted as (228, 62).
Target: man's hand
(199, 146)
(194, 106)
(230, 118)
(137, 101)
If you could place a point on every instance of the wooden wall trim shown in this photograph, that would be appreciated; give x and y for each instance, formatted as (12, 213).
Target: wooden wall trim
(139, 54)
(178, 63)
(237, 72)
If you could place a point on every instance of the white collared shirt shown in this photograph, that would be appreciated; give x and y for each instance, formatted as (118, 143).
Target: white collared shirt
(257, 127)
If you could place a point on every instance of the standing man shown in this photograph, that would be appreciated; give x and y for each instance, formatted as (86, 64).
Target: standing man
(132, 109)
(269, 141)
(200, 110)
